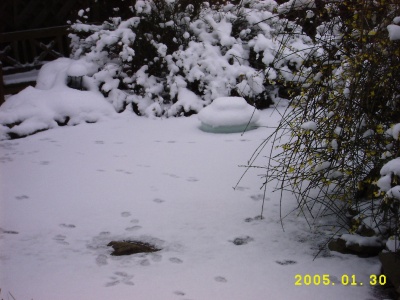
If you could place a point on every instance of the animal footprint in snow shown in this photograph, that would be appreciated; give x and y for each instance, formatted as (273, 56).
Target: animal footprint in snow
(112, 283)
(157, 200)
(123, 171)
(101, 260)
(120, 277)
(59, 238)
(8, 231)
(156, 257)
(133, 228)
(70, 226)
(134, 221)
(220, 279)
(22, 197)
(258, 197)
(145, 262)
(175, 260)
(171, 175)
(192, 179)
(143, 166)
(99, 142)
(122, 274)
(179, 293)
(256, 218)
(125, 214)
(5, 159)
(286, 262)
(242, 240)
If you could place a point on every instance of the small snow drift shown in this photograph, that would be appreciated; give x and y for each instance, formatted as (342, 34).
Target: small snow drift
(228, 115)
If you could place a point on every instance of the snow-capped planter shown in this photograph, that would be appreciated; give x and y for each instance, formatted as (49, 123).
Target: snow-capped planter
(228, 115)
(75, 73)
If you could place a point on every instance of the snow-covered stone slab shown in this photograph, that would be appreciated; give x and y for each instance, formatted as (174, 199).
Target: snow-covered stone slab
(228, 115)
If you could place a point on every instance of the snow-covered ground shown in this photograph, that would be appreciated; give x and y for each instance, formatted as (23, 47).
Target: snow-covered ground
(69, 191)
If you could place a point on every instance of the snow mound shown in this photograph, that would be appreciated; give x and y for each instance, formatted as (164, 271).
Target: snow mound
(394, 32)
(393, 244)
(77, 70)
(352, 239)
(228, 114)
(52, 103)
(311, 125)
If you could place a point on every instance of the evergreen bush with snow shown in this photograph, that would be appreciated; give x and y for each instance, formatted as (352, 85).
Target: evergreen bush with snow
(342, 150)
(167, 47)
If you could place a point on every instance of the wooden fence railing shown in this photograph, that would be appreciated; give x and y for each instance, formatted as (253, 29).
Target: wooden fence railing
(22, 51)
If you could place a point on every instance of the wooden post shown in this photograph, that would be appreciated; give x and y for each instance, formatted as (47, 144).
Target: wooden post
(2, 100)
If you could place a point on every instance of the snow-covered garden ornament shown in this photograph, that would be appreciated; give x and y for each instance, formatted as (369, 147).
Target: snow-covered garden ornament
(228, 115)
(75, 73)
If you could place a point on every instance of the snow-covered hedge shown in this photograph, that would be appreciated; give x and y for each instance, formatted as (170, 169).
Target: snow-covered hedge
(336, 147)
(168, 47)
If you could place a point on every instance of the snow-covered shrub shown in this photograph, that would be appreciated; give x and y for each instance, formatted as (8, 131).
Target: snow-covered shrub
(131, 53)
(389, 185)
(336, 143)
(166, 46)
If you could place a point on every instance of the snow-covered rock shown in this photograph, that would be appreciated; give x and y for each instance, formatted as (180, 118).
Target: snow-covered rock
(228, 114)
(356, 244)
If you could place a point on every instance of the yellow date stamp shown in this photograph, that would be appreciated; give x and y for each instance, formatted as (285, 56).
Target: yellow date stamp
(325, 279)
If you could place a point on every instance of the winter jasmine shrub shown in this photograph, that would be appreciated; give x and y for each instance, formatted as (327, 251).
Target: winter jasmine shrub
(342, 147)
(163, 48)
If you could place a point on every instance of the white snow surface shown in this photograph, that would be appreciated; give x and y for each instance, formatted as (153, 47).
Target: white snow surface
(295, 5)
(393, 244)
(310, 125)
(352, 239)
(394, 32)
(66, 193)
(391, 167)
